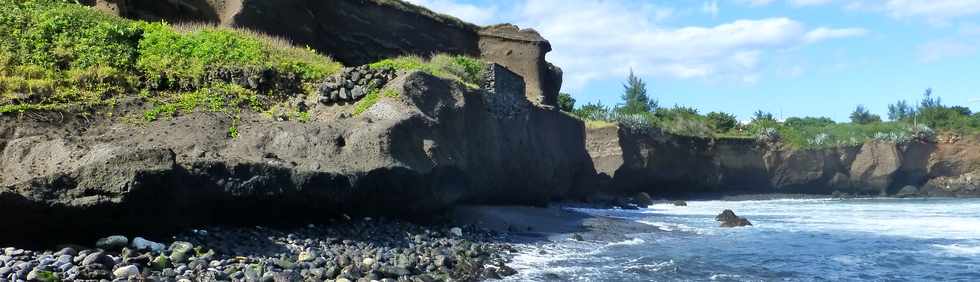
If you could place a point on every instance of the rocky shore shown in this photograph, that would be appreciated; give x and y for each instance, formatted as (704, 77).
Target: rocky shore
(359, 250)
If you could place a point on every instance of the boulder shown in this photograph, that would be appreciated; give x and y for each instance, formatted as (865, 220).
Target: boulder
(141, 244)
(729, 219)
(113, 243)
(680, 203)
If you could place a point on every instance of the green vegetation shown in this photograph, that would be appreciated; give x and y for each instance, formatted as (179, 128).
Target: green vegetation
(464, 69)
(566, 102)
(58, 55)
(641, 113)
(372, 98)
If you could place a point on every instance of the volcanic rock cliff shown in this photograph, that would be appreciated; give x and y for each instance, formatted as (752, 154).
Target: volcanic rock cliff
(662, 163)
(358, 32)
(437, 144)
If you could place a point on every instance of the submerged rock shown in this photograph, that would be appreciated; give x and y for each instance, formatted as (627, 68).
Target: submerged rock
(729, 219)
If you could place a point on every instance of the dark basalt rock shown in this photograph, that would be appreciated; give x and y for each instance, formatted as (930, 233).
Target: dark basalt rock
(729, 219)
(438, 145)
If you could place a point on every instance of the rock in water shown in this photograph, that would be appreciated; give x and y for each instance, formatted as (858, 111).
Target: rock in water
(180, 251)
(679, 203)
(126, 271)
(112, 242)
(729, 219)
(642, 199)
(456, 231)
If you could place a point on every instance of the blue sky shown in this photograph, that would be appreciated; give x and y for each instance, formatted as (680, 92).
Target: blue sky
(789, 57)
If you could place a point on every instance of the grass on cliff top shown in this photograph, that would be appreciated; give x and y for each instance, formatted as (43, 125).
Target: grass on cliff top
(469, 71)
(58, 55)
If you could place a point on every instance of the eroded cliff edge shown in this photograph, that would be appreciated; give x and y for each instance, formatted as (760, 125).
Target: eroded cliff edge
(438, 144)
(656, 162)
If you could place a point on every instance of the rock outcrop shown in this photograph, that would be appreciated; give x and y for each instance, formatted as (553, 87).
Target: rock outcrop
(358, 32)
(662, 163)
(729, 219)
(523, 51)
(438, 144)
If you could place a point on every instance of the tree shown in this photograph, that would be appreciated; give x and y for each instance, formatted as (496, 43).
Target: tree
(808, 122)
(760, 116)
(722, 122)
(900, 111)
(928, 102)
(566, 102)
(635, 99)
(861, 115)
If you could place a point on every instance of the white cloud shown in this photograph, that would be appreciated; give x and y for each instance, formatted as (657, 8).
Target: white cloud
(938, 50)
(755, 2)
(809, 2)
(937, 12)
(602, 39)
(466, 12)
(823, 33)
(710, 8)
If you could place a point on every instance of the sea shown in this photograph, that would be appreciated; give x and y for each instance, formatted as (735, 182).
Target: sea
(790, 240)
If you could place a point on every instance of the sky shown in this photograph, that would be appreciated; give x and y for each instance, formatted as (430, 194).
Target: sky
(788, 57)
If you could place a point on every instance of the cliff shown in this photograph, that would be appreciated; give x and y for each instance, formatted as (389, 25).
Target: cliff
(667, 164)
(358, 32)
(435, 144)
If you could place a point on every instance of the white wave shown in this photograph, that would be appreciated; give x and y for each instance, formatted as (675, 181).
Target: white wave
(651, 267)
(630, 242)
(848, 260)
(913, 218)
(672, 226)
(717, 277)
(960, 250)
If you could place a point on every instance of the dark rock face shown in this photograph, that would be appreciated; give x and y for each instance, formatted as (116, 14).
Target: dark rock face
(436, 145)
(729, 219)
(662, 163)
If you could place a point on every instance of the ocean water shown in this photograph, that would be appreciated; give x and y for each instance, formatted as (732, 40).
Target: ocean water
(792, 240)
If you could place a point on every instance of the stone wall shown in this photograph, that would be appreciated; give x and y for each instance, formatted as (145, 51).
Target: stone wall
(352, 84)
